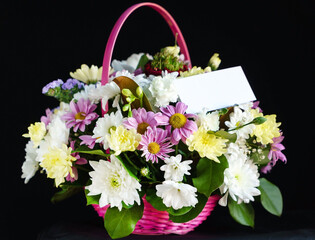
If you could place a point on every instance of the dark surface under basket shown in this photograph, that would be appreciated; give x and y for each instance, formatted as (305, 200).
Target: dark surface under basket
(292, 225)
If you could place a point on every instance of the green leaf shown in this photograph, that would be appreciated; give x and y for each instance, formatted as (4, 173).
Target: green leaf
(194, 212)
(65, 192)
(242, 213)
(209, 175)
(223, 134)
(270, 197)
(261, 158)
(129, 166)
(120, 224)
(86, 149)
(143, 61)
(259, 120)
(91, 199)
(154, 200)
(179, 212)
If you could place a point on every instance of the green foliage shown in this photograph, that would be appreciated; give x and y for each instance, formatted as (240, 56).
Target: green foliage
(122, 223)
(242, 213)
(154, 200)
(91, 199)
(209, 175)
(86, 149)
(193, 212)
(142, 62)
(271, 198)
(260, 156)
(65, 192)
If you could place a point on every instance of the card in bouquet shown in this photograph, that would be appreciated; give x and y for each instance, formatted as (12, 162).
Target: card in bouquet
(217, 89)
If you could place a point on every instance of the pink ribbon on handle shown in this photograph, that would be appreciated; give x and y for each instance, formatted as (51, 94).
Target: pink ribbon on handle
(114, 33)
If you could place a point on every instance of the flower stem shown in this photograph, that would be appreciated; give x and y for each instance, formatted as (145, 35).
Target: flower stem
(131, 163)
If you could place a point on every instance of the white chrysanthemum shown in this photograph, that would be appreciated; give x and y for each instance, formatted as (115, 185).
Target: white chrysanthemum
(239, 118)
(163, 89)
(175, 169)
(30, 165)
(103, 126)
(85, 92)
(113, 182)
(58, 134)
(177, 195)
(240, 180)
(123, 73)
(130, 64)
(87, 75)
(209, 121)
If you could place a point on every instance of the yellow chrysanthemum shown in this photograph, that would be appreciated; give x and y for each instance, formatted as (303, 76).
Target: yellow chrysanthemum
(36, 132)
(121, 139)
(206, 144)
(268, 130)
(58, 163)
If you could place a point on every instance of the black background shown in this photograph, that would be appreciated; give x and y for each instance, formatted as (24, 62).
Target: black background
(44, 40)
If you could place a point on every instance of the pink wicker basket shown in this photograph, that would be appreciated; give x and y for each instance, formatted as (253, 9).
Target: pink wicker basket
(156, 222)
(153, 222)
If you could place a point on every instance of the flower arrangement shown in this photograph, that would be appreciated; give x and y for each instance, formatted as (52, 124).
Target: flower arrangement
(147, 146)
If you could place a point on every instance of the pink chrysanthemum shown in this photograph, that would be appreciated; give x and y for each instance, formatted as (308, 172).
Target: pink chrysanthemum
(141, 120)
(178, 123)
(275, 154)
(79, 161)
(155, 144)
(81, 114)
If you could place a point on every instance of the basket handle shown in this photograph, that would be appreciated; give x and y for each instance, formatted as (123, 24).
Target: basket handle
(114, 33)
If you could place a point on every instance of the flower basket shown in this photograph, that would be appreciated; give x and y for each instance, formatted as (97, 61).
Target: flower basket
(155, 222)
(147, 162)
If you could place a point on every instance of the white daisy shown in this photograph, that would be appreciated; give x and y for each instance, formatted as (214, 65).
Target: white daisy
(239, 118)
(163, 89)
(30, 165)
(113, 182)
(175, 169)
(177, 195)
(87, 75)
(240, 179)
(103, 126)
(209, 121)
(109, 91)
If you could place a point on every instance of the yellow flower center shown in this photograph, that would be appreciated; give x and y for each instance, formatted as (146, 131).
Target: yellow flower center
(178, 120)
(153, 147)
(142, 127)
(115, 182)
(111, 128)
(80, 116)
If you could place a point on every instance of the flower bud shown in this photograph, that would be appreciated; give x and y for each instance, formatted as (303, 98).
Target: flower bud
(139, 92)
(214, 62)
(172, 50)
(126, 92)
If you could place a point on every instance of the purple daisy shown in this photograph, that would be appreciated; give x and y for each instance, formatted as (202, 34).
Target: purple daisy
(141, 120)
(275, 154)
(178, 123)
(88, 140)
(155, 144)
(81, 114)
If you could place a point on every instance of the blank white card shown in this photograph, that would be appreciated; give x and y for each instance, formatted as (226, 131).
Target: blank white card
(214, 90)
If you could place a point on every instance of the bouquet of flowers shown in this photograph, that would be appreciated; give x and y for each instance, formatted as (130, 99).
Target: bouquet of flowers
(146, 147)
